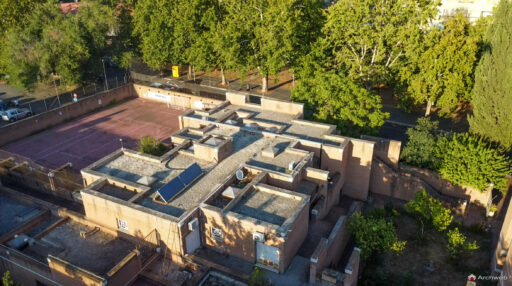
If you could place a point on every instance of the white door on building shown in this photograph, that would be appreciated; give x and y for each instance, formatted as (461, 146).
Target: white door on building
(193, 241)
(267, 255)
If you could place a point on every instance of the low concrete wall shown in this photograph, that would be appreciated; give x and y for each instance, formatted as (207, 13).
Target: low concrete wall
(406, 181)
(24, 269)
(69, 274)
(175, 98)
(23, 128)
(330, 250)
(288, 107)
(350, 276)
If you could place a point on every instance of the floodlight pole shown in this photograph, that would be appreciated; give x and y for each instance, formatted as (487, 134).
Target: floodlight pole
(121, 140)
(105, 73)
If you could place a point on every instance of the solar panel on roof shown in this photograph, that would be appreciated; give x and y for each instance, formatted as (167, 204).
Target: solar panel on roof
(190, 174)
(172, 188)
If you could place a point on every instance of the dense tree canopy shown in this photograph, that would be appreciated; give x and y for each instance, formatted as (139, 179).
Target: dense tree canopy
(15, 12)
(154, 25)
(374, 234)
(492, 97)
(336, 99)
(470, 161)
(443, 68)
(368, 40)
(52, 43)
(422, 144)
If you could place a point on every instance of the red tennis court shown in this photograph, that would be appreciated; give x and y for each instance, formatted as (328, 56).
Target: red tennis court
(91, 137)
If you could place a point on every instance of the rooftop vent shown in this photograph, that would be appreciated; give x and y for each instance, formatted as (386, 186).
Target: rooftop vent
(146, 180)
(291, 166)
(231, 192)
(270, 152)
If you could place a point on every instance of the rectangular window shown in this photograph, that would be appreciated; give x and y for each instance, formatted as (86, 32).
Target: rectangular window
(216, 234)
(122, 224)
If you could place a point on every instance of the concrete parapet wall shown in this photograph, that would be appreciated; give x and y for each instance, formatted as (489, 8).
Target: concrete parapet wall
(175, 98)
(23, 128)
(351, 274)
(288, 107)
(386, 149)
(69, 274)
(24, 269)
(236, 98)
(329, 250)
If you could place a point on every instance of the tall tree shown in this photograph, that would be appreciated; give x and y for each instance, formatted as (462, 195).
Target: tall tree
(492, 97)
(154, 24)
(421, 145)
(230, 37)
(52, 43)
(273, 32)
(368, 40)
(15, 12)
(444, 69)
(337, 99)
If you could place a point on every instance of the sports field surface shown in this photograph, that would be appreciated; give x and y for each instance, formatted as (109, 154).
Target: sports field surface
(91, 137)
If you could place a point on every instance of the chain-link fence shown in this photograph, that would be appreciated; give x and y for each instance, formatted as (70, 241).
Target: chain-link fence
(68, 97)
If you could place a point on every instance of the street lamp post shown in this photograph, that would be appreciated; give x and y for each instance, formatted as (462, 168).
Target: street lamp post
(105, 73)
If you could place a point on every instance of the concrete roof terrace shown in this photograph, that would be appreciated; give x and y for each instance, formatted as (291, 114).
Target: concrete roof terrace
(245, 145)
(277, 157)
(269, 204)
(97, 251)
(14, 214)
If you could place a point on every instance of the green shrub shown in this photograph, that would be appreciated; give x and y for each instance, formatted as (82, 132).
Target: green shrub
(149, 145)
(471, 161)
(258, 278)
(374, 235)
(420, 148)
(428, 209)
(7, 280)
(458, 244)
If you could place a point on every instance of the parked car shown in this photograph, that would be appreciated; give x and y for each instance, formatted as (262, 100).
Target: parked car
(14, 114)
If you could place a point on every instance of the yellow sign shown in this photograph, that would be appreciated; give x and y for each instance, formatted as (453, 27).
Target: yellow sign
(175, 71)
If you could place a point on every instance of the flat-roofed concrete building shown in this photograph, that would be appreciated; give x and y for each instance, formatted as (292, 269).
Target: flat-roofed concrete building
(41, 245)
(243, 179)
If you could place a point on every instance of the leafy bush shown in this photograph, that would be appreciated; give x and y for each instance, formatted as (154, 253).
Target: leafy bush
(471, 161)
(461, 158)
(149, 145)
(428, 209)
(420, 149)
(258, 278)
(457, 243)
(374, 235)
(7, 280)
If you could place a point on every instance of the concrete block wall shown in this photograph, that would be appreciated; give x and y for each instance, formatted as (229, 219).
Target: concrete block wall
(358, 170)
